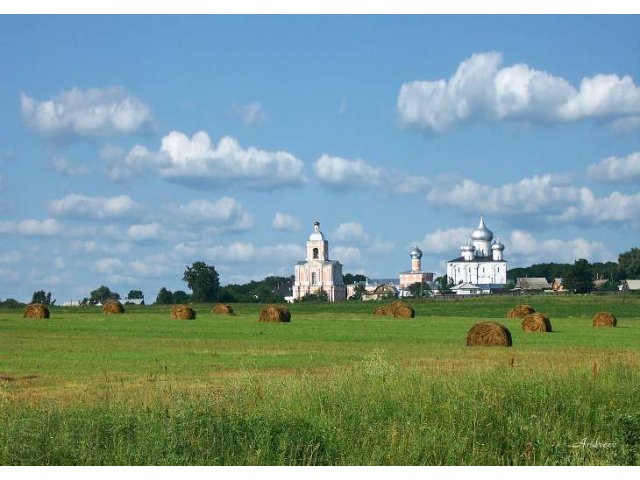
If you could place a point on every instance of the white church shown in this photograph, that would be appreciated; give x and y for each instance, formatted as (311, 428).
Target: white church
(480, 266)
(317, 272)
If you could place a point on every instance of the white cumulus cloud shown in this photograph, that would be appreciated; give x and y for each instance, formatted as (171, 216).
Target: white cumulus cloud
(341, 172)
(65, 167)
(198, 163)
(480, 88)
(616, 169)
(286, 222)
(108, 265)
(226, 213)
(350, 232)
(526, 249)
(95, 112)
(31, 228)
(80, 206)
(251, 114)
(145, 232)
(444, 240)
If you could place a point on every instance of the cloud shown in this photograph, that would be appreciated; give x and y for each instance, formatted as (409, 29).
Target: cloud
(226, 212)
(108, 265)
(525, 249)
(616, 169)
(240, 252)
(286, 222)
(481, 89)
(10, 257)
(410, 185)
(68, 169)
(196, 162)
(91, 247)
(149, 269)
(31, 228)
(537, 194)
(616, 207)
(79, 206)
(547, 198)
(350, 232)
(96, 112)
(347, 255)
(251, 114)
(145, 232)
(444, 240)
(339, 172)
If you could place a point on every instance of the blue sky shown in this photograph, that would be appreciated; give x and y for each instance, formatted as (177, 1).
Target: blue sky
(133, 146)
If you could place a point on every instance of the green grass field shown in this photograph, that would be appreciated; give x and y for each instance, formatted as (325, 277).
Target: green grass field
(336, 386)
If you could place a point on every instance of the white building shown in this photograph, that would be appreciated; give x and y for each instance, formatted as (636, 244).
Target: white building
(318, 272)
(481, 261)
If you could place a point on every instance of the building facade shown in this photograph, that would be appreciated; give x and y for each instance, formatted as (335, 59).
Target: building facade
(415, 275)
(317, 272)
(481, 261)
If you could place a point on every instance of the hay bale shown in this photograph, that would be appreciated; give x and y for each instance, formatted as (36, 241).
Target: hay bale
(36, 310)
(604, 319)
(222, 309)
(112, 307)
(489, 334)
(382, 310)
(536, 322)
(520, 311)
(401, 309)
(183, 312)
(275, 313)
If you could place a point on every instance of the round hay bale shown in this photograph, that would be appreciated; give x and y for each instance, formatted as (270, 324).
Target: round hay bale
(489, 334)
(36, 310)
(604, 319)
(112, 307)
(222, 309)
(382, 310)
(183, 312)
(275, 313)
(520, 311)
(401, 309)
(536, 322)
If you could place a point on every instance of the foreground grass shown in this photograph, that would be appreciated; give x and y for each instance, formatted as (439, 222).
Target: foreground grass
(336, 386)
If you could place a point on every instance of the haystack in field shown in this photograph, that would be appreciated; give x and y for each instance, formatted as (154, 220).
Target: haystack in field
(112, 307)
(36, 310)
(382, 310)
(395, 309)
(520, 311)
(183, 312)
(401, 309)
(536, 322)
(222, 309)
(604, 319)
(275, 313)
(489, 334)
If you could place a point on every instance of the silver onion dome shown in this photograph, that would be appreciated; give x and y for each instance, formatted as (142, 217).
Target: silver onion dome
(415, 253)
(482, 232)
(316, 235)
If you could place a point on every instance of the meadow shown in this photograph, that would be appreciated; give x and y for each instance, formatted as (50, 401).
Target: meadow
(336, 386)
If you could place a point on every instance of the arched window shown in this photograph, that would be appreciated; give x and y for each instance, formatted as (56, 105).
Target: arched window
(314, 278)
(315, 253)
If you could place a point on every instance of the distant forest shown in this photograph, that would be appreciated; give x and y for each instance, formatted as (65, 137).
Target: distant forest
(627, 266)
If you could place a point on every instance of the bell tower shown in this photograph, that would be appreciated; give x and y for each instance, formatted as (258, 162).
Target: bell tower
(317, 246)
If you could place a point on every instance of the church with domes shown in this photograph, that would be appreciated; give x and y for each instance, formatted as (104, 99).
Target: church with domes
(481, 262)
(317, 272)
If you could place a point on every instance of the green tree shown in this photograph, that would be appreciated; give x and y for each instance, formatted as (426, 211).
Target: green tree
(102, 294)
(358, 292)
(629, 263)
(164, 297)
(180, 297)
(349, 278)
(203, 281)
(43, 298)
(135, 294)
(418, 289)
(319, 296)
(579, 278)
(444, 286)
